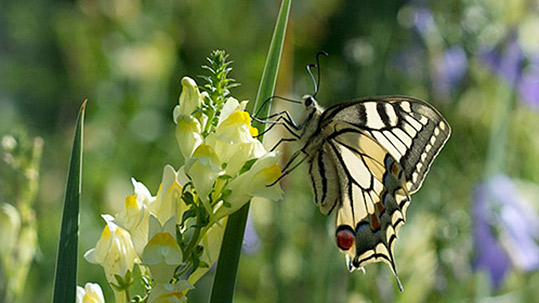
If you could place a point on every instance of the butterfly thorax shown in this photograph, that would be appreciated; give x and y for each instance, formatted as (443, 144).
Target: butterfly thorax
(311, 137)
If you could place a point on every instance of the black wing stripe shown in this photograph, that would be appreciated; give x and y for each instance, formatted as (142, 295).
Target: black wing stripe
(350, 179)
(380, 108)
(313, 182)
(322, 170)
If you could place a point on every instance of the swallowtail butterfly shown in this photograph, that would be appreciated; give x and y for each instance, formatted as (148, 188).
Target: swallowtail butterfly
(366, 157)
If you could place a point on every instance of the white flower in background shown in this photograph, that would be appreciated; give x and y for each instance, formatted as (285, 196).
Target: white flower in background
(91, 293)
(170, 293)
(114, 251)
(162, 254)
(10, 225)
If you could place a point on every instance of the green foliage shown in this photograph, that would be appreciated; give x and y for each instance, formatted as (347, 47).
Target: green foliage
(65, 277)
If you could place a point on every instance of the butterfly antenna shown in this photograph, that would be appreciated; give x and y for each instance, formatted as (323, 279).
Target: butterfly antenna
(318, 65)
(315, 83)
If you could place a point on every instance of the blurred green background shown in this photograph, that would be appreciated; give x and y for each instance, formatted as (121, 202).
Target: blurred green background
(471, 233)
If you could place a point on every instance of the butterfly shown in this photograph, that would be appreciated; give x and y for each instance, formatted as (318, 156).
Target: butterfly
(365, 158)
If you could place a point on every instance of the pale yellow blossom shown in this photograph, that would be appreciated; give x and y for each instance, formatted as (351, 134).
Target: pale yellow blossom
(168, 201)
(170, 293)
(190, 98)
(162, 254)
(114, 251)
(253, 183)
(91, 293)
(188, 134)
(203, 167)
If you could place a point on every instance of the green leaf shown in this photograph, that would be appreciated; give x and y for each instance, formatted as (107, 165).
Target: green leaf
(224, 282)
(65, 278)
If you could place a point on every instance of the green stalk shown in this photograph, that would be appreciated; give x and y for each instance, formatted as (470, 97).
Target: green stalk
(65, 278)
(224, 282)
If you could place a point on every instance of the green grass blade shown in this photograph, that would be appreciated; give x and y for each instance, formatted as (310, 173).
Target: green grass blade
(224, 282)
(269, 76)
(65, 279)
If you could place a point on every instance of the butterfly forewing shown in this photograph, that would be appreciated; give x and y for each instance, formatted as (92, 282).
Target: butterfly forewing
(411, 130)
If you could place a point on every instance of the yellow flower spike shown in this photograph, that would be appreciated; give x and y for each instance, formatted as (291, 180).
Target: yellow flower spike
(162, 254)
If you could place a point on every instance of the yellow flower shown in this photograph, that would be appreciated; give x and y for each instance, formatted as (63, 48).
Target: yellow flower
(162, 254)
(253, 183)
(203, 167)
(91, 293)
(135, 215)
(233, 139)
(190, 98)
(188, 134)
(170, 293)
(231, 105)
(114, 251)
(168, 201)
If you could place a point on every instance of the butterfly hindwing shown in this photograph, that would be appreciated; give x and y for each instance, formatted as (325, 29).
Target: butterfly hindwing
(373, 200)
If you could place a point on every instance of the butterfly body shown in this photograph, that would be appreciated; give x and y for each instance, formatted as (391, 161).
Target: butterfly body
(365, 158)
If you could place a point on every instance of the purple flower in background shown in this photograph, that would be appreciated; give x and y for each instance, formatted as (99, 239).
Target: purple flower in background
(528, 87)
(251, 240)
(505, 228)
(506, 62)
(489, 254)
(423, 20)
(450, 70)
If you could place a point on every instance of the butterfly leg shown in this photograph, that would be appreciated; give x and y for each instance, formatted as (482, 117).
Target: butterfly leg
(288, 168)
(287, 122)
(281, 141)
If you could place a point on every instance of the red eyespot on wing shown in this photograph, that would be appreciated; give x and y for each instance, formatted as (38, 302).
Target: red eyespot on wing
(345, 237)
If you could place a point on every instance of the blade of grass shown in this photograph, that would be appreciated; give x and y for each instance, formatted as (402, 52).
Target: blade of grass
(65, 278)
(224, 282)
